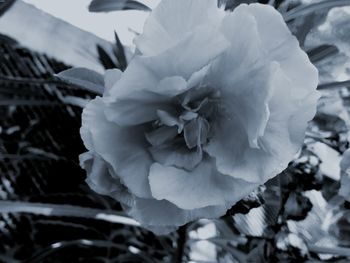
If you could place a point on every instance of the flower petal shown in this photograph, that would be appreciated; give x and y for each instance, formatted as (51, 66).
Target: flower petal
(178, 156)
(161, 135)
(289, 118)
(171, 21)
(134, 100)
(248, 100)
(196, 132)
(167, 182)
(284, 48)
(112, 76)
(278, 144)
(172, 86)
(168, 214)
(128, 157)
(100, 180)
(243, 74)
(228, 146)
(135, 108)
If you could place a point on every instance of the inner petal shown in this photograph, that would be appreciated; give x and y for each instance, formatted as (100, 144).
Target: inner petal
(196, 132)
(161, 135)
(170, 120)
(177, 155)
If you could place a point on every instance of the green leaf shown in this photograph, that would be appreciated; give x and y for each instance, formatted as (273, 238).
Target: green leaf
(116, 5)
(84, 78)
(312, 8)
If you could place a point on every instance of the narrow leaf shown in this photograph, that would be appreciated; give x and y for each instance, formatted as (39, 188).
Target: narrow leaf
(321, 52)
(65, 211)
(84, 78)
(333, 85)
(120, 53)
(116, 5)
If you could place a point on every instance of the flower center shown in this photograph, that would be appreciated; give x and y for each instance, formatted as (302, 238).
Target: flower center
(188, 123)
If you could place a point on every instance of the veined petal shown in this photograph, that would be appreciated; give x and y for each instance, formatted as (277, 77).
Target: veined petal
(171, 21)
(128, 156)
(203, 186)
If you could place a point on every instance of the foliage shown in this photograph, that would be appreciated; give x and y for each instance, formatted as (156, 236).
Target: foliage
(117, 59)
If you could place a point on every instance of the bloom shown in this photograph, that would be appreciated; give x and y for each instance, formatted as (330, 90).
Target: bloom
(216, 104)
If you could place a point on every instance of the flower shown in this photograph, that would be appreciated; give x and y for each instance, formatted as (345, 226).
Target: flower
(214, 105)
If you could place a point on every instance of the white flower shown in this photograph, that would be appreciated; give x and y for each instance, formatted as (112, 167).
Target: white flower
(216, 105)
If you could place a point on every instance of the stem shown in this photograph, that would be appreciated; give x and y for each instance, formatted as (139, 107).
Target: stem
(181, 242)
